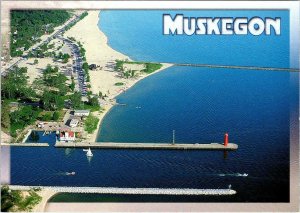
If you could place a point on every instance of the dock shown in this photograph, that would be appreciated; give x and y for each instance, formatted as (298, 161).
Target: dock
(114, 145)
(26, 144)
(280, 69)
(137, 191)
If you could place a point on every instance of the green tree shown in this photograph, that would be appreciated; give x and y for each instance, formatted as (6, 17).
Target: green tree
(76, 100)
(52, 101)
(91, 123)
(5, 120)
(47, 116)
(93, 101)
(28, 25)
(14, 84)
(7, 199)
(24, 116)
(12, 200)
(72, 85)
(65, 58)
(85, 66)
(55, 116)
(36, 61)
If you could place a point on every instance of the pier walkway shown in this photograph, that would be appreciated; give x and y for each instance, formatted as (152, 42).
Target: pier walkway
(140, 191)
(111, 145)
(26, 144)
(237, 67)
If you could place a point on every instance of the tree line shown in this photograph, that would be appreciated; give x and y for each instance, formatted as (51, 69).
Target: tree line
(28, 25)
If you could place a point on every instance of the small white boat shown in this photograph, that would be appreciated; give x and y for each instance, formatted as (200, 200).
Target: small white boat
(242, 175)
(70, 173)
(89, 153)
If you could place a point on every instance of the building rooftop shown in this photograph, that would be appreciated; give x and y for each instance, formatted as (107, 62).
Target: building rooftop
(82, 111)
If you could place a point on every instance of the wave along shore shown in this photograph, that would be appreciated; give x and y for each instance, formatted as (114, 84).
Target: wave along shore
(98, 52)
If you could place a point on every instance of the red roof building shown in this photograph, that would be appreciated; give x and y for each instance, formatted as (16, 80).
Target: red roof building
(67, 136)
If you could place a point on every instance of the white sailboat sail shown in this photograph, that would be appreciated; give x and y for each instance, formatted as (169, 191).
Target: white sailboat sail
(89, 153)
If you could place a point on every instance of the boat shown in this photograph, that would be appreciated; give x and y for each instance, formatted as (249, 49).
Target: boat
(70, 173)
(242, 175)
(89, 153)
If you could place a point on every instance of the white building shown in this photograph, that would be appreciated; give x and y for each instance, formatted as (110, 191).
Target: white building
(81, 112)
(74, 123)
(41, 125)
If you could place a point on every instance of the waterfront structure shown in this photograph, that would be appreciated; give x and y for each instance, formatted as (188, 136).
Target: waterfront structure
(81, 112)
(73, 123)
(137, 191)
(147, 145)
(41, 125)
(66, 136)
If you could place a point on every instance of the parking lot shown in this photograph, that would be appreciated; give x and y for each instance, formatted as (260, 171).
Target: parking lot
(77, 65)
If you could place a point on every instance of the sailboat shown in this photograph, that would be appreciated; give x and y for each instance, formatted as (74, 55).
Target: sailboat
(89, 153)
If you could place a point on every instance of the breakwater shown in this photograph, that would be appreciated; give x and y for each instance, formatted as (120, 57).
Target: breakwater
(111, 145)
(237, 67)
(141, 191)
(26, 144)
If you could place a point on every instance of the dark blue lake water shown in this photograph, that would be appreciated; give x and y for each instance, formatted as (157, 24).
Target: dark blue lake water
(200, 104)
(42, 137)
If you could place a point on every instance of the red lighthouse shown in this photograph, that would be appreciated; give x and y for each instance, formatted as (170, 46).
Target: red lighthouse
(226, 139)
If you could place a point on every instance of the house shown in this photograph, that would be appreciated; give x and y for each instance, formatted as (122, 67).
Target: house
(66, 136)
(81, 112)
(40, 125)
(73, 123)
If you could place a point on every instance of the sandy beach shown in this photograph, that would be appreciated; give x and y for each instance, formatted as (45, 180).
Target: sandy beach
(98, 52)
(46, 195)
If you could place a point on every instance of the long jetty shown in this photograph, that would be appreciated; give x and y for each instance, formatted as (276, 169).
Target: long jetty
(237, 67)
(26, 144)
(139, 191)
(113, 145)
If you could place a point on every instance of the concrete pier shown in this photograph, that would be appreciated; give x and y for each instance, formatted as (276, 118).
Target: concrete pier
(111, 145)
(141, 191)
(238, 67)
(26, 144)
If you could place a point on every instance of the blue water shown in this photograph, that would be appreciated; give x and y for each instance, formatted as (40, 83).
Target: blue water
(42, 138)
(200, 104)
(138, 34)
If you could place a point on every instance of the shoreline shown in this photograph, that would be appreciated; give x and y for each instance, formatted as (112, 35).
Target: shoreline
(46, 195)
(103, 79)
(107, 109)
